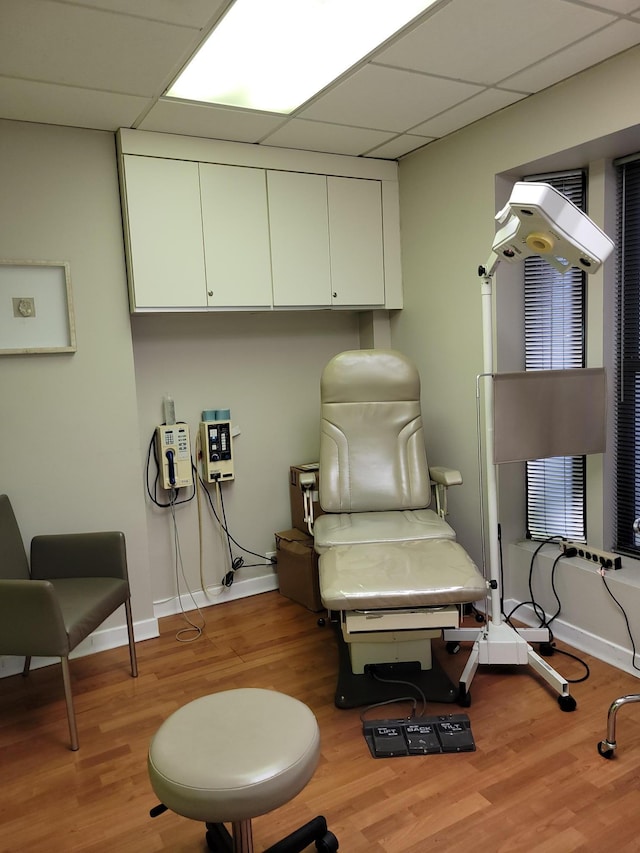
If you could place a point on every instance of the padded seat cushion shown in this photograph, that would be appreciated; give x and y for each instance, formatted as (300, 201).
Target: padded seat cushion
(234, 755)
(398, 574)
(366, 527)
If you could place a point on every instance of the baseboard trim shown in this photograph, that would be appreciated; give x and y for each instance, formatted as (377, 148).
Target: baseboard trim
(604, 650)
(241, 588)
(99, 641)
(146, 629)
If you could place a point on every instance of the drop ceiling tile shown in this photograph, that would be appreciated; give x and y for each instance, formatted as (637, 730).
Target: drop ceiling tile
(92, 49)
(330, 138)
(188, 13)
(487, 102)
(387, 99)
(209, 121)
(603, 44)
(623, 7)
(46, 103)
(488, 41)
(399, 146)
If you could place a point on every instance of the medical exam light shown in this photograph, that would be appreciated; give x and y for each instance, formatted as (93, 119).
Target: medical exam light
(537, 220)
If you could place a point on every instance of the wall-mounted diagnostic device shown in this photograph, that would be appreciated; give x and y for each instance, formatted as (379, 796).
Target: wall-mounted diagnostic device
(217, 451)
(173, 448)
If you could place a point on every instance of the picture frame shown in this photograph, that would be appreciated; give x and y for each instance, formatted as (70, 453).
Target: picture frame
(36, 308)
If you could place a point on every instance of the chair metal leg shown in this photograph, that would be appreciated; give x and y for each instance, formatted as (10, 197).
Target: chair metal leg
(132, 641)
(242, 836)
(27, 664)
(71, 715)
(607, 747)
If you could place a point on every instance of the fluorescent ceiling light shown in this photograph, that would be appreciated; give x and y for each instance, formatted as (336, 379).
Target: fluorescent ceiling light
(273, 56)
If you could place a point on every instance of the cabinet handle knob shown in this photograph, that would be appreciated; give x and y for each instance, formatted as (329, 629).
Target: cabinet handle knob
(334, 295)
(210, 292)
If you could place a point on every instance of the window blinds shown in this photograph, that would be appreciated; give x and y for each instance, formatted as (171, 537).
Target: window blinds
(554, 308)
(627, 418)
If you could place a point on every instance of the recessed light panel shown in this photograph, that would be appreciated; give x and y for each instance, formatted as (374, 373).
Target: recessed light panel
(273, 56)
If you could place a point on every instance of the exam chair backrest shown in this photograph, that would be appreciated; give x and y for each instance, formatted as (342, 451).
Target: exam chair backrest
(372, 451)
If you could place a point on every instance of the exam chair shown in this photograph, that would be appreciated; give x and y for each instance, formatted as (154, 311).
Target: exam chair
(75, 581)
(391, 574)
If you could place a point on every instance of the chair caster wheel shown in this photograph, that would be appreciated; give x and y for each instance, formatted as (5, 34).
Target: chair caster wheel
(322, 622)
(328, 843)
(464, 698)
(567, 703)
(452, 647)
(605, 750)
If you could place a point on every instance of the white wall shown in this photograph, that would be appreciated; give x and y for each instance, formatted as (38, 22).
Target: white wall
(449, 193)
(76, 428)
(265, 368)
(70, 456)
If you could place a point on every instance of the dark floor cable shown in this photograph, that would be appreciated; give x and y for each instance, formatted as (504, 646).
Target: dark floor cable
(539, 612)
(626, 620)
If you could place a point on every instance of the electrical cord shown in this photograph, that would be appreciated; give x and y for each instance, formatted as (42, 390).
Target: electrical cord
(411, 699)
(183, 634)
(626, 619)
(539, 611)
(220, 517)
(403, 683)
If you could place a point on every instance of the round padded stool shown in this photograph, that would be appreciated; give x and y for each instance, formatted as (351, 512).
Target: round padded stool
(234, 755)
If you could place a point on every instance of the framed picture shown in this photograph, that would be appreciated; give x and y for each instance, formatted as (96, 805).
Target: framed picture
(36, 308)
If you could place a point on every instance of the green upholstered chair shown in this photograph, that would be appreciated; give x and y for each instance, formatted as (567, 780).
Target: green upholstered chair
(73, 582)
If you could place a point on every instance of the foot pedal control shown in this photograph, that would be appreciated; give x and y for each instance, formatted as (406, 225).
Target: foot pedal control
(419, 735)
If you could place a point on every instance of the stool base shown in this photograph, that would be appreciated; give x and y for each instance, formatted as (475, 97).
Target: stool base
(220, 840)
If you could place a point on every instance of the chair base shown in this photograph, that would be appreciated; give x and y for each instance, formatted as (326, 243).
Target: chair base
(607, 747)
(220, 840)
(355, 690)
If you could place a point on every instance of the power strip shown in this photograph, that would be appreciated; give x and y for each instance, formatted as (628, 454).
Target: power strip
(595, 555)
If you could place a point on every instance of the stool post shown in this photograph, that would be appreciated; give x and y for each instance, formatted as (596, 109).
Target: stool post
(242, 836)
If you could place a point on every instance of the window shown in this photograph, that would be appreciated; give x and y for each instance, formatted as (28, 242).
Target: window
(554, 306)
(627, 380)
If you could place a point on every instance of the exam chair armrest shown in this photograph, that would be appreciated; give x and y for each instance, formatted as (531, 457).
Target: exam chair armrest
(31, 621)
(79, 555)
(441, 479)
(445, 476)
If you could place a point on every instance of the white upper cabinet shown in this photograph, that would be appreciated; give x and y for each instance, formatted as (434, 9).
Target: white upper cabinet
(235, 225)
(355, 240)
(164, 224)
(299, 225)
(211, 225)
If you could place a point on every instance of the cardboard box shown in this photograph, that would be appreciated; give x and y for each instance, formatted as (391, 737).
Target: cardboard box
(298, 568)
(296, 494)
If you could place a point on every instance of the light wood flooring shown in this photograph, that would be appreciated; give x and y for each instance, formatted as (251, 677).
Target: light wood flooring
(535, 783)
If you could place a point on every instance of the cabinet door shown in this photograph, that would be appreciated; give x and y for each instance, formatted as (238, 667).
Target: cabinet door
(166, 259)
(355, 237)
(299, 226)
(236, 236)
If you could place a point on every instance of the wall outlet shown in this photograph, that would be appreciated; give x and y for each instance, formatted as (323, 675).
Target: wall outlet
(271, 557)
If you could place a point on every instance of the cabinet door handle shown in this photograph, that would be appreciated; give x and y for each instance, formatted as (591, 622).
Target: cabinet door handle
(209, 292)
(334, 295)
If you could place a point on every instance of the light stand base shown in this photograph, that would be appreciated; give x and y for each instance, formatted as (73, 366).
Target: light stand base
(501, 645)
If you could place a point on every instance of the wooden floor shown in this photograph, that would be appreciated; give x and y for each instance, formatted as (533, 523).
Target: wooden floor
(534, 783)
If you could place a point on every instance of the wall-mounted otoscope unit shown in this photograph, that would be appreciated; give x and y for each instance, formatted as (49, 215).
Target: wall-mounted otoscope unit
(216, 445)
(174, 455)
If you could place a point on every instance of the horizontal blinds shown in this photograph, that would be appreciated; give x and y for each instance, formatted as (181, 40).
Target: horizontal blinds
(554, 307)
(627, 420)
